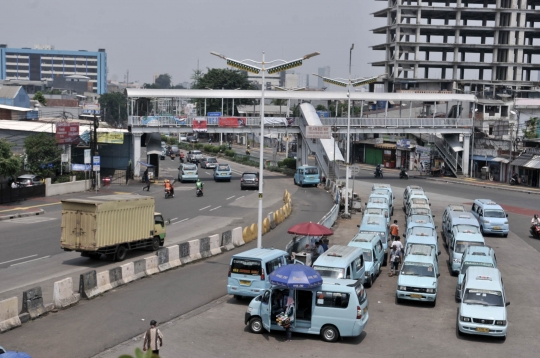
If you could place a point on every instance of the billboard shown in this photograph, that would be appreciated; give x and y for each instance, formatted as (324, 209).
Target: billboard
(231, 122)
(200, 125)
(318, 132)
(110, 137)
(91, 108)
(66, 133)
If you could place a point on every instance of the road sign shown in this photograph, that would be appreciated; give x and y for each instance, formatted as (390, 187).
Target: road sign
(87, 156)
(354, 169)
(319, 132)
(96, 163)
(64, 158)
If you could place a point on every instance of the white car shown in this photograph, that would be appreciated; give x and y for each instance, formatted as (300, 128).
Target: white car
(183, 138)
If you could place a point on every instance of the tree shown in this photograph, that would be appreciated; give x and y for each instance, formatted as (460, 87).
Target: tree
(279, 102)
(114, 105)
(9, 164)
(221, 78)
(530, 130)
(40, 98)
(163, 81)
(42, 154)
(320, 107)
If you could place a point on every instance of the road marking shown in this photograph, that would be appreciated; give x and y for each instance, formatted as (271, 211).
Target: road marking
(174, 219)
(230, 197)
(30, 220)
(240, 197)
(181, 221)
(217, 207)
(22, 258)
(207, 173)
(206, 207)
(30, 207)
(20, 263)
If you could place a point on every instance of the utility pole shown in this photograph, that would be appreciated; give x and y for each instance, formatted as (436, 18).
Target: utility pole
(94, 148)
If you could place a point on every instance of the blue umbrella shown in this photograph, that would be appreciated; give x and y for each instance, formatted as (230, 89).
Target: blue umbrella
(11, 354)
(296, 276)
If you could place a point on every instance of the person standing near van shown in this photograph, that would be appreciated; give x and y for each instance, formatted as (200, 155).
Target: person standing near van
(395, 258)
(289, 311)
(151, 339)
(394, 231)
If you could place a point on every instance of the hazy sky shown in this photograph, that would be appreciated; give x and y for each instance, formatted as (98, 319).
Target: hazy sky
(158, 36)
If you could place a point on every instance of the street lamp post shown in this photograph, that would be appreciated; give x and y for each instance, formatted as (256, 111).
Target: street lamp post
(348, 83)
(275, 69)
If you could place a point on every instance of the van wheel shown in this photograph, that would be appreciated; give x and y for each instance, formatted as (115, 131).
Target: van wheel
(329, 333)
(434, 303)
(294, 179)
(238, 297)
(385, 260)
(255, 325)
(398, 300)
(482, 230)
(370, 282)
(121, 252)
(505, 235)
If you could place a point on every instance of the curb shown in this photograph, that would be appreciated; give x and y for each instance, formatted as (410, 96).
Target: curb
(21, 215)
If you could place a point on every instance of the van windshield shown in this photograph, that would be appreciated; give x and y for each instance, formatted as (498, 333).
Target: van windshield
(417, 269)
(494, 214)
(462, 245)
(483, 297)
(467, 229)
(331, 272)
(368, 255)
(419, 201)
(422, 231)
(311, 171)
(377, 200)
(246, 267)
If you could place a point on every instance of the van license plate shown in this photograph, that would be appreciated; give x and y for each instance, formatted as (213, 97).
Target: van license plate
(496, 228)
(414, 295)
(480, 329)
(245, 282)
(223, 174)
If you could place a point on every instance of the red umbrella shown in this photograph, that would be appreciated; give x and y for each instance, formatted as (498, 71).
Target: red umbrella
(310, 229)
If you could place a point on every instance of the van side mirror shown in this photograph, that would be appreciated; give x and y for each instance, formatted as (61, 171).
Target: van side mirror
(439, 253)
(429, 204)
(508, 303)
(436, 226)
(404, 236)
(357, 225)
(506, 215)
(432, 216)
(438, 275)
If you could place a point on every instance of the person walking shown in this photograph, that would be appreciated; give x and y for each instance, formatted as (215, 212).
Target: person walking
(146, 180)
(395, 258)
(394, 231)
(152, 337)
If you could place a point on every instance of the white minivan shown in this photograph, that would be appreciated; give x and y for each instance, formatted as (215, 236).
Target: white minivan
(341, 262)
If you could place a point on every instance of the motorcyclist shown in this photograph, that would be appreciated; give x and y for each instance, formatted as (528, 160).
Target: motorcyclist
(378, 169)
(515, 177)
(199, 184)
(169, 186)
(535, 220)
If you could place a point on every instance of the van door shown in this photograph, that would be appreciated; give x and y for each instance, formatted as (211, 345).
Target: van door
(266, 309)
(358, 268)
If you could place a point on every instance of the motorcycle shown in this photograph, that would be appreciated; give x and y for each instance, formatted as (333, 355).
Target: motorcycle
(199, 192)
(378, 173)
(514, 181)
(181, 157)
(168, 194)
(403, 174)
(535, 231)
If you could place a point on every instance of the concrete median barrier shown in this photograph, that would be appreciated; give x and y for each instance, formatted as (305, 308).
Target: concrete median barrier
(237, 238)
(32, 303)
(88, 287)
(9, 316)
(163, 259)
(226, 240)
(266, 225)
(184, 252)
(63, 295)
(128, 272)
(151, 265)
(174, 256)
(139, 269)
(204, 247)
(246, 235)
(195, 250)
(215, 245)
(271, 220)
(104, 281)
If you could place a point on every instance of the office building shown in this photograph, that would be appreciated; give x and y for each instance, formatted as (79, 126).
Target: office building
(44, 63)
(325, 72)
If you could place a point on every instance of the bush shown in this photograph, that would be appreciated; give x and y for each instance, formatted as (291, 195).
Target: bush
(215, 149)
(229, 153)
(208, 148)
(290, 163)
(198, 146)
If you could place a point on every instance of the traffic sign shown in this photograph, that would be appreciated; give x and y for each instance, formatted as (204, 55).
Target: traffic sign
(87, 156)
(355, 169)
(318, 132)
(64, 158)
(96, 163)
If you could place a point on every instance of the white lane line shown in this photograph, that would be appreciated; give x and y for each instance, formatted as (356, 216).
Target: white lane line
(239, 173)
(181, 221)
(174, 219)
(207, 173)
(20, 263)
(217, 207)
(240, 197)
(22, 258)
(230, 197)
(206, 207)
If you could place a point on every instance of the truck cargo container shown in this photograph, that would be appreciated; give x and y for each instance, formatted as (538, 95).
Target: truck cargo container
(111, 225)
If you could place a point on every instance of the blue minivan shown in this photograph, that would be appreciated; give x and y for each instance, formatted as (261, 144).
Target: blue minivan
(307, 175)
(376, 224)
(249, 271)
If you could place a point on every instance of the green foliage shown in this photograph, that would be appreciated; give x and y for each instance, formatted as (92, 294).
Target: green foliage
(42, 154)
(279, 102)
(530, 130)
(140, 354)
(9, 164)
(218, 78)
(229, 153)
(320, 107)
(40, 98)
(208, 148)
(114, 106)
(289, 163)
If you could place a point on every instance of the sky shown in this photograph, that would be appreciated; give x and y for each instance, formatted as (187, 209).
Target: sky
(150, 37)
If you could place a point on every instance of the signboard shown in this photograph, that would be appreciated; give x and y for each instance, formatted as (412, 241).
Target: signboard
(87, 156)
(422, 159)
(355, 169)
(110, 137)
(91, 109)
(96, 163)
(80, 167)
(66, 133)
(323, 114)
(319, 132)
(212, 118)
(231, 122)
(200, 125)
(403, 143)
(64, 158)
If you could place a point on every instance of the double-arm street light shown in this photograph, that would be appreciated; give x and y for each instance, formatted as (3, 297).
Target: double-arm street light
(285, 65)
(348, 83)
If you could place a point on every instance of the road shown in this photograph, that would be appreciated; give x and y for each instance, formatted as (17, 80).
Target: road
(404, 330)
(31, 253)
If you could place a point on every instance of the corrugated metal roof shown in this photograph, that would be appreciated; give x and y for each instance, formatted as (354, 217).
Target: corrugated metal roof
(523, 159)
(305, 95)
(490, 101)
(527, 103)
(534, 163)
(13, 108)
(34, 126)
(9, 91)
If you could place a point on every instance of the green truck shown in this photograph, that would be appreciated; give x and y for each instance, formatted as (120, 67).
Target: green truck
(111, 225)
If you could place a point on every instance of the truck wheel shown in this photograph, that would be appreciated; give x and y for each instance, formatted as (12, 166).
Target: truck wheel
(121, 252)
(155, 243)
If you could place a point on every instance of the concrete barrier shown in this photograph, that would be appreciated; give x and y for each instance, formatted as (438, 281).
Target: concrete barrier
(271, 220)
(66, 188)
(103, 281)
(246, 235)
(194, 250)
(174, 256)
(237, 239)
(139, 269)
(215, 245)
(63, 295)
(151, 266)
(32, 303)
(204, 247)
(226, 240)
(163, 259)
(266, 225)
(128, 272)
(9, 316)
(88, 287)
(184, 251)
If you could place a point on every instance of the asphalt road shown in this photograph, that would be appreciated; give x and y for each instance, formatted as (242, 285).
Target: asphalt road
(93, 326)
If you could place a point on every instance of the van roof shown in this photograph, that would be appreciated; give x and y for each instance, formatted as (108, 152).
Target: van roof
(307, 166)
(420, 218)
(419, 258)
(462, 216)
(381, 186)
(338, 283)
(383, 191)
(367, 237)
(372, 222)
(456, 207)
(484, 278)
(260, 254)
(414, 187)
(479, 250)
(338, 254)
(422, 240)
(420, 250)
(488, 202)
